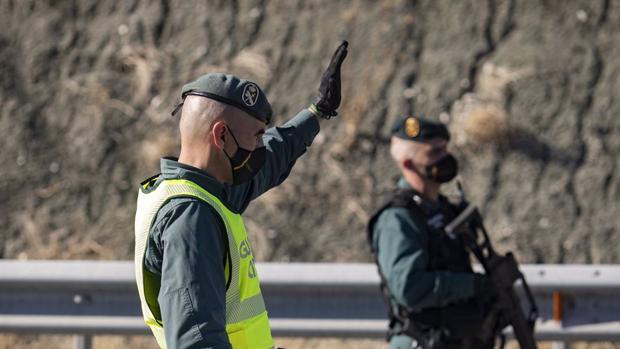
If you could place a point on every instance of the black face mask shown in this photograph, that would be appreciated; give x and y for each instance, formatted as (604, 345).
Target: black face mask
(443, 170)
(245, 164)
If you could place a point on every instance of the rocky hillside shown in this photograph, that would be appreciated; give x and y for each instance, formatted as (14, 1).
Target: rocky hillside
(529, 89)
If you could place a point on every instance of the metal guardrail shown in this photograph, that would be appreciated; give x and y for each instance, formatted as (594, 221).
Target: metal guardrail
(303, 299)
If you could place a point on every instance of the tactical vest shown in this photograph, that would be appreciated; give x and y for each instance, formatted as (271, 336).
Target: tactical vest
(247, 323)
(445, 254)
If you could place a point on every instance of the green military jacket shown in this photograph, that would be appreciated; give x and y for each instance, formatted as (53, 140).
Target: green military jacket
(401, 243)
(187, 243)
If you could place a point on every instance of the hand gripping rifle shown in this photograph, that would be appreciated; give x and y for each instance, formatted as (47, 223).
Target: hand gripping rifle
(503, 272)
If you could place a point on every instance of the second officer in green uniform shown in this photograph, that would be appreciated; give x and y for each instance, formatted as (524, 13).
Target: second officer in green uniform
(436, 300)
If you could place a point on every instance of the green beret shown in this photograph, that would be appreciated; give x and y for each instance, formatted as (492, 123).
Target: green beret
(229, 89)
(419, 129)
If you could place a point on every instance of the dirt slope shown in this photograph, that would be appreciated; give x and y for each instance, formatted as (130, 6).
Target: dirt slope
(529, 89)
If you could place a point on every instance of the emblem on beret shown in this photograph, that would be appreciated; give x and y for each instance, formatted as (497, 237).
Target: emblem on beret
(412, 127)
(250, 94)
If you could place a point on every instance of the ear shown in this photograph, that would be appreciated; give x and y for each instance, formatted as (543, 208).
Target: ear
(218, 134)
(408, 164)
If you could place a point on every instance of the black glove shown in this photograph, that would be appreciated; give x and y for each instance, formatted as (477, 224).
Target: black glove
(328, 99)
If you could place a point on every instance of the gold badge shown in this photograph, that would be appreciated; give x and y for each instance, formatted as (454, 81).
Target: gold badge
(412, 127)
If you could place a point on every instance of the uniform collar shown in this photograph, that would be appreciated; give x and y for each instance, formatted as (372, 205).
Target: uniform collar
(419, 199)
(171, 168)
(403, 184)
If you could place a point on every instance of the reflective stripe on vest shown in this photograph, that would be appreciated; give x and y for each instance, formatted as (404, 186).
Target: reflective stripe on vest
(247, 323)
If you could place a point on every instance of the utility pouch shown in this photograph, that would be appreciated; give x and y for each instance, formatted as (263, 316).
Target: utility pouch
(463, 319)
(460, 320)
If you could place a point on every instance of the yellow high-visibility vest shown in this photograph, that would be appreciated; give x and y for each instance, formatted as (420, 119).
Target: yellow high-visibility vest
(247, 323)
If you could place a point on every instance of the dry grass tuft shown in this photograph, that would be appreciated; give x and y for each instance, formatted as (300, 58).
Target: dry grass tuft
(479, 125)
(143, 77)
(486, 124)
(352, 115)
(253, 63)
(144, 62)
(349, 15)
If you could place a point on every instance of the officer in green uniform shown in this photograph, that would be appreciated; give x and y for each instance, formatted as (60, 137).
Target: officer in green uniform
(436, 300)
(195, 269)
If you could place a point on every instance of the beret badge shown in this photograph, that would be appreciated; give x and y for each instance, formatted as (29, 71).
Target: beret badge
(412, 127)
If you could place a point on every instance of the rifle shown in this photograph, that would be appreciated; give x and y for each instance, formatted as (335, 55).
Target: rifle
(503, 272)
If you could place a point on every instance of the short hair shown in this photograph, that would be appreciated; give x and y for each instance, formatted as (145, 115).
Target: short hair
(401, 149)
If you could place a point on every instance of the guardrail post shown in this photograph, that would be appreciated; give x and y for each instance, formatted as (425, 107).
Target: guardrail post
(84, 341)
(558, 313)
